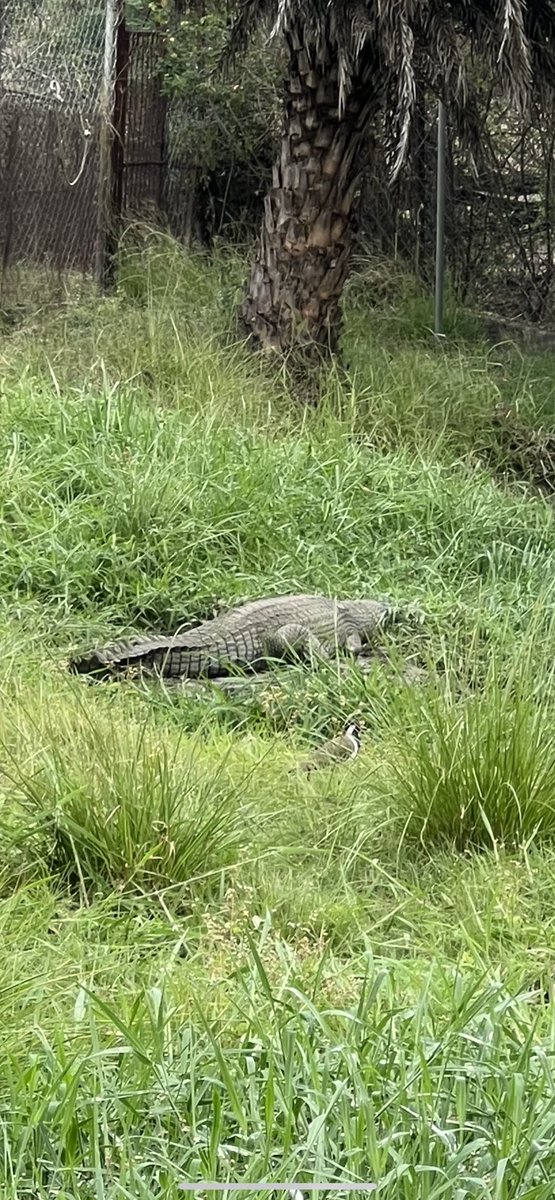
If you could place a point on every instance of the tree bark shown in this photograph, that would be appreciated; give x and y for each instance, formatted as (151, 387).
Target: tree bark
(293, 298)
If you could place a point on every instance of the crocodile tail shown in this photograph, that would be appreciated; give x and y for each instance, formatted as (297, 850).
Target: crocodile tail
(109, 659)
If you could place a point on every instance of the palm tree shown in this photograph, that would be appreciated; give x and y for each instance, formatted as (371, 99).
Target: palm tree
(349, 60)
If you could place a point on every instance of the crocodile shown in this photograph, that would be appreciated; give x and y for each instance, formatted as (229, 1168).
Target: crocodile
(247, 637)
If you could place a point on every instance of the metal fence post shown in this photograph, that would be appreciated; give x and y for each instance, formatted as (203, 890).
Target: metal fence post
(440, 220)
(112, 143)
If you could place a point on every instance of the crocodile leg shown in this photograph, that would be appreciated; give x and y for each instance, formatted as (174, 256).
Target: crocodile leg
(295, 641)
(353, 643)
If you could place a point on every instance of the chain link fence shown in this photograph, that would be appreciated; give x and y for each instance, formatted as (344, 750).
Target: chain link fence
(53, 59)
(499, 211)
(499, 220)
(51, 64)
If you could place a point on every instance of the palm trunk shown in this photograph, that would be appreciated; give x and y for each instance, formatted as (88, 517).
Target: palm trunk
(293, 298)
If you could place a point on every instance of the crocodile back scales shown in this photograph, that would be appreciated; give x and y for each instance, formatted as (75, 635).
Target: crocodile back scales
(237, 638)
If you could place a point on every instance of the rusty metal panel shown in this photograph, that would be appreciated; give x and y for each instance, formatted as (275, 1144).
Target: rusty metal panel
(145, 128)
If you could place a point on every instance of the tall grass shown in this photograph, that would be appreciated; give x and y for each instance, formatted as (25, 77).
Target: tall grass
(380, 1091)
(104, 807)
(213, 968)
(477, 770)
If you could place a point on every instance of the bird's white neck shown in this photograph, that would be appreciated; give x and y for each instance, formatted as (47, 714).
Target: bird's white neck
(351, 736)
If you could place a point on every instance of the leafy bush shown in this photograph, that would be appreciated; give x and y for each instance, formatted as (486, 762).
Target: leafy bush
(222, 130)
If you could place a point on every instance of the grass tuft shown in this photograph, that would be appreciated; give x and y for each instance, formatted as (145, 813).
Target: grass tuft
(105, 808)
(477, 770)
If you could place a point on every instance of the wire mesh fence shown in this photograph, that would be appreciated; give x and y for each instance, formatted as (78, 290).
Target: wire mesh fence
(499, 211)
(54, 62)
(51, 58)
(144, 165)
(75, 85)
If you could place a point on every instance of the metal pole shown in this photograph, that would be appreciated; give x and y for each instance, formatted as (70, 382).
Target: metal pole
(104, 250)
(440, 218)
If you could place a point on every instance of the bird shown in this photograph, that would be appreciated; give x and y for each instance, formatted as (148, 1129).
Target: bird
(339, 749)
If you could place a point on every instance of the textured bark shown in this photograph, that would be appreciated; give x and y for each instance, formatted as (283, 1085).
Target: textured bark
(293, 298)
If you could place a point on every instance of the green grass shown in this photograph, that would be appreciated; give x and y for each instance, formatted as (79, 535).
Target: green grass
(478, 769)
(212, 966)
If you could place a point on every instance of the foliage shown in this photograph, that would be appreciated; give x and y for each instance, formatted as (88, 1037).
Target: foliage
(104, 812)
(391, 47)
(220, 126)
(372, 1086)
(477, 770)
(213, 968)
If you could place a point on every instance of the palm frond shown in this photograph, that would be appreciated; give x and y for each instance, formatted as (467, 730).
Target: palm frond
(388, 43)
